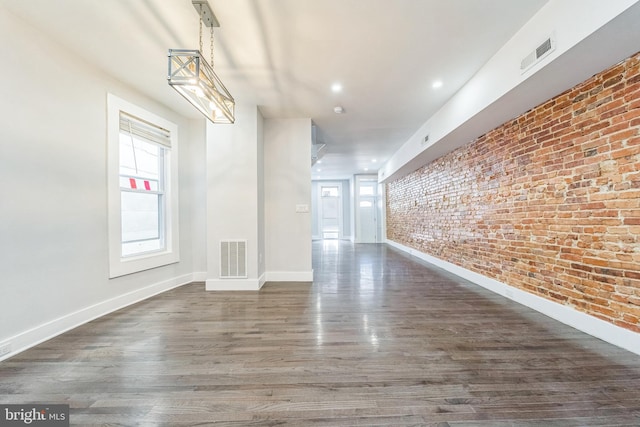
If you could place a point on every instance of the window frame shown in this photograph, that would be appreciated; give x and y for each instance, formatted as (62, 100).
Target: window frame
(122, 265)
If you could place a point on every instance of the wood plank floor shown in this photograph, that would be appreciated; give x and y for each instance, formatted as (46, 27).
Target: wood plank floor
(377, 340)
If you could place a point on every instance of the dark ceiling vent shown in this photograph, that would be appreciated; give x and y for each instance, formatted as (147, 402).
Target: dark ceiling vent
(545, 48)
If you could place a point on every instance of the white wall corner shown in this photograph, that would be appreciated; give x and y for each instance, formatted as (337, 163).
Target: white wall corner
(199, 276)
(287, 150)
(593, 326)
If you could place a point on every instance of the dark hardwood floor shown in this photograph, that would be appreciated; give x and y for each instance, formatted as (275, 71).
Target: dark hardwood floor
(377, 340)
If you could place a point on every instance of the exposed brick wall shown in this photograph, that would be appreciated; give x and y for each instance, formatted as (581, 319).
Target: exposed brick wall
(548, 202)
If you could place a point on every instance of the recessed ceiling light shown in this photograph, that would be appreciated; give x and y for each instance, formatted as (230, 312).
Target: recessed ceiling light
(336, 88)
(366, 169)
(436, 84)
(338, 110)
(319, 170)
(374, 160)
(319, 161)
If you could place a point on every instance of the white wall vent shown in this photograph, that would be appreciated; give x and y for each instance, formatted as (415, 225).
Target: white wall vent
(233, 259)
(539, 53)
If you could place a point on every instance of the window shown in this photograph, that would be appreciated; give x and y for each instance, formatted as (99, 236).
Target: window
(142, 182)
(143, 148)
(367, 190)
(330, 192)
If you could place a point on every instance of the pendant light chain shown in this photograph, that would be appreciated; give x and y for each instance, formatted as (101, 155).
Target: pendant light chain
(200, 38)
(211, 49)
(200, 20)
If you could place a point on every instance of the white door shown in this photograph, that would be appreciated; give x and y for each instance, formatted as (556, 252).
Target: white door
(367, 211)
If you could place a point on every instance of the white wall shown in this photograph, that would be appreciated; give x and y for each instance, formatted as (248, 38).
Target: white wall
(233, 195)
(196, 194)
(499, 91)
(257, 172)
(53, 220)
(287, 183)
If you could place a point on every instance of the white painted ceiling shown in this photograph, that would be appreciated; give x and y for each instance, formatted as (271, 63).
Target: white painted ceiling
(284, 56)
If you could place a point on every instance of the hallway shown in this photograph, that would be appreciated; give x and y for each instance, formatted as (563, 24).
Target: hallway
(377, 339)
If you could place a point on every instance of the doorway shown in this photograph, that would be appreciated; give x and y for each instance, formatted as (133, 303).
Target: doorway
(330, 211)
(367, 227)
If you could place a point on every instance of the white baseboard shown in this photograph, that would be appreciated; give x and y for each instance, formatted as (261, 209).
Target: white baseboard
(262, 280)
(234, 284)
(598, 328)
(257, 284)
(53, 328)
(289, 276)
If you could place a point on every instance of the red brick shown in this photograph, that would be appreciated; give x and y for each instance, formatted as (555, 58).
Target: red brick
(547, 202)
(627, 325)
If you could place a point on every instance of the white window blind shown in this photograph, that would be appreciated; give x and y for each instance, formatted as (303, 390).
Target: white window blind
(147, 131)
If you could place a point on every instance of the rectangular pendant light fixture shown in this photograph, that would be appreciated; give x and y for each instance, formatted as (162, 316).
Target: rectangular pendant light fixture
(193, 78)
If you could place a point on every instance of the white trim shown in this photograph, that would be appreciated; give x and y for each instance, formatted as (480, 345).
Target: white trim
(119, 266)
(289, 276)
(382, 202)
(55, 327)
(257, 284)
(234, 284)
(598, 328)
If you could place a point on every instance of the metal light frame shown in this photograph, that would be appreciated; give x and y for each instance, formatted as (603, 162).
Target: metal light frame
(192, 77)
